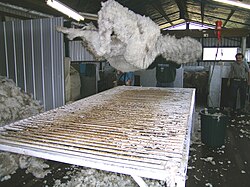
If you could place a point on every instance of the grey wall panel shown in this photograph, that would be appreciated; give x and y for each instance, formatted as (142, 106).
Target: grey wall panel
(10, 51)
(32, 55)
(225, 42)
(201, 63)
(232, 42)
(47, 63)
(78, 52)
(3, 70)
(58, 63)
(19, 57)
(28, 56)
(38, 60)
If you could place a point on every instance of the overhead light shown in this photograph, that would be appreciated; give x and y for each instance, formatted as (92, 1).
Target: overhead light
(89, 16)
(65, 9)
(234, 3)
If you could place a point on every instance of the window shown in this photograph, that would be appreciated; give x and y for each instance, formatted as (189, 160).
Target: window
(226, 53)
(247, 55)
(183, 26)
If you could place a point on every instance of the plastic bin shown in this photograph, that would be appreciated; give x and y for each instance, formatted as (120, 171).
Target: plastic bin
(213, 127)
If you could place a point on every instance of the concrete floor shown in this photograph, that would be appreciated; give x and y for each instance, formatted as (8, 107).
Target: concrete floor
(225, 166)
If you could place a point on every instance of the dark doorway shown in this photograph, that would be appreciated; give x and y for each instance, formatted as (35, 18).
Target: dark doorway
(225, 93)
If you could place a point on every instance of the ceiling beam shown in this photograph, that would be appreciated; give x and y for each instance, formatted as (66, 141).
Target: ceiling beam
(218, 18)
(182, 5)
(228, 17)
(208, 33)
(168, 22)
(157, 6)
(173, 13)
(203, 4)
(204, 24)
(137, 6)
(20, 12)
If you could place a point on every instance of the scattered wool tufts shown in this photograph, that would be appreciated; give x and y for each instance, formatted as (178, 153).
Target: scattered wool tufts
(209, 185)
(37, 167)
(130, 41)
(209, 159)
(242, 171)
(8, 165)
(10, 162)
(87, 177)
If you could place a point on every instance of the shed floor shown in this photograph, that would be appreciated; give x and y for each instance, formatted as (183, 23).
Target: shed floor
(227, 166)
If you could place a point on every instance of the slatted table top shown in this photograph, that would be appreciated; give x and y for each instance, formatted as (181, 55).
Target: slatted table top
(132, 130)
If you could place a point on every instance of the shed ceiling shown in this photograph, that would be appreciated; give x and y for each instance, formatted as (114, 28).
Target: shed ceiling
(165, 13)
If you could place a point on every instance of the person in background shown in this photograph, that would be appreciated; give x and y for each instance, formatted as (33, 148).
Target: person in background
(239, 78)
(126, 78)
(165, 71)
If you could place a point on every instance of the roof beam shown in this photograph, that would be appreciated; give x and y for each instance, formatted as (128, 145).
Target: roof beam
(182, 5)
(218, 18)
(137, 6)
(210, 33)
(20, 12)
(168, 22)
(200, 23)
(157, 6)
(228, 17)
(173, 13)
(202, 11)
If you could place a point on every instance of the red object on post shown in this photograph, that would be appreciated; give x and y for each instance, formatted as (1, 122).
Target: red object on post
(218, 29)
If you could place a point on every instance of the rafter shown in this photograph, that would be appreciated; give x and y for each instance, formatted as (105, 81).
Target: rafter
(202, 3)
(182, 5)
(210, 32)
(157, 6)
(167, 23)
(173, 13)
(228, 17)
(219, 18)
(137, 6)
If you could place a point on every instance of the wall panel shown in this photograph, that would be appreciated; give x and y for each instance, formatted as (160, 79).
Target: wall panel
(32, 54)
(3, 68)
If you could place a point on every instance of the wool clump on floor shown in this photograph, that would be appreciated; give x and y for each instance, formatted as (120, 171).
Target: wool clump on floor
(16, 105)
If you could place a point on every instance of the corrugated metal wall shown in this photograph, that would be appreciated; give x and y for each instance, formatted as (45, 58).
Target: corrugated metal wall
(78, 52)
(225, 42)
(32, 54)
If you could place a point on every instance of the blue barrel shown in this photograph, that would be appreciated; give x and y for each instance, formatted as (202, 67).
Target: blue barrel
(213, 127)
